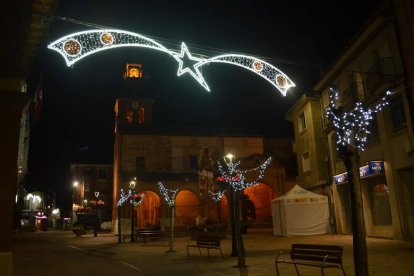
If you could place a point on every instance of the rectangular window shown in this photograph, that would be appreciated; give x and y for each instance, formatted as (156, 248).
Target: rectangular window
(305, 162)
(193, 162)
(301, 122)
(397, 114)
(102, 174)
(373, 129)
(140, 164)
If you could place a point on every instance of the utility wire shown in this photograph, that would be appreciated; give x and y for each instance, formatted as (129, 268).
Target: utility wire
(204, 50)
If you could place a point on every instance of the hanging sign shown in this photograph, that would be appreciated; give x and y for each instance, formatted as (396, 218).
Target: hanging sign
(372, 168)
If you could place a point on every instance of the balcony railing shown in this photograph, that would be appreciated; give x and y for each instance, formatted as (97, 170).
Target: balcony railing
(383, 72)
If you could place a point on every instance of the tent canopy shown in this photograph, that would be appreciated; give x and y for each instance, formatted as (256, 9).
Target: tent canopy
(298, 192)
(300, 212)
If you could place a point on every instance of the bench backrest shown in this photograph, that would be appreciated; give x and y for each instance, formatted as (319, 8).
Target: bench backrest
(151, 233)
(317, 252)
(205, 237)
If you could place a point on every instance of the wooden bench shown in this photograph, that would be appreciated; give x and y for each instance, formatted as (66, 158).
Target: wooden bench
(147, 235)
(208, 240)
(323, 256)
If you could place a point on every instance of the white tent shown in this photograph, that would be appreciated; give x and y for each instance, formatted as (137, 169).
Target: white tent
(300, 212)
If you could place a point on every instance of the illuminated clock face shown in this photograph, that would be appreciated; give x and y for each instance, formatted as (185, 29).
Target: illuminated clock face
(107, 39)
(72, 47)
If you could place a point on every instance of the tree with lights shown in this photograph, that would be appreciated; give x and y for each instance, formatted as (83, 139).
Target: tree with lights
(169, 196)
(352, 129)
(135, 200)
(235, 180)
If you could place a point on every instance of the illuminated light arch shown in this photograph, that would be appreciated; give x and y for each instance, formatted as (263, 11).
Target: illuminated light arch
(76, 46)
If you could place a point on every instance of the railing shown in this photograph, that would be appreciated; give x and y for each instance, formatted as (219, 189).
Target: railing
(381, 73)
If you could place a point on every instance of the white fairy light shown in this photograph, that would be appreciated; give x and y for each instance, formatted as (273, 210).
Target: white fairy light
(76, 46)
(168, 194)
(236, 178)
(352, 127)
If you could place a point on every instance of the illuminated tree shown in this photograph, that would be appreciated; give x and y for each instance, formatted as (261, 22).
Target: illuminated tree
(352, 129)
(235, 181)
(135, 200)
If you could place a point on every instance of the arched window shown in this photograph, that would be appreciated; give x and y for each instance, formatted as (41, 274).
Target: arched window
(141, 115)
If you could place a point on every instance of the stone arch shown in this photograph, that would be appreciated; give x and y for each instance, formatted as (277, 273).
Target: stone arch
(187, 208)
(261, 195)
(149, 210)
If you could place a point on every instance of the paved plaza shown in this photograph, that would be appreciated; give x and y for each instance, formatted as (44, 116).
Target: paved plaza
(61, 253)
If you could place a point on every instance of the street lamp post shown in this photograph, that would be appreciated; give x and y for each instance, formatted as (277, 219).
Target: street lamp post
(132, 187)
(228, 159)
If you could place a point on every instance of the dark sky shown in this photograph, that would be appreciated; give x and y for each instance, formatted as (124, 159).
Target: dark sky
(299, 37)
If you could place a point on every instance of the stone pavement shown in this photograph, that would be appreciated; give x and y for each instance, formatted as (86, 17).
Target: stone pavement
(385, 257)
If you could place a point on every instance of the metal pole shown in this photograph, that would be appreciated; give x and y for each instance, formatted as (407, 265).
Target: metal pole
(172, 230)
(132, 223)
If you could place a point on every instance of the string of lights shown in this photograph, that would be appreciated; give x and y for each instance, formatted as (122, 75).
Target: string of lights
(236, 178)
(79, 45)
(131, 197)
(352, 128)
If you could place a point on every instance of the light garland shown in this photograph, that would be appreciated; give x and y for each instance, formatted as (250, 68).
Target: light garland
(216, 196)
(78, 45)
(352, 127)
(236, 178)
(168, 194)
(131, 197)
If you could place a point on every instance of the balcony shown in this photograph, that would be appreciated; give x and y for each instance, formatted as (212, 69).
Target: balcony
(381, 76)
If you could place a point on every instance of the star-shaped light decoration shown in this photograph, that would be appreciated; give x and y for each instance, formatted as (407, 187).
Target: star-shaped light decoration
(189, 64)
(76, 46)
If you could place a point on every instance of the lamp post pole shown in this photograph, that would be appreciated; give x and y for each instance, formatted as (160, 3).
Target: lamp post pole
(132, 187)
(228, 159)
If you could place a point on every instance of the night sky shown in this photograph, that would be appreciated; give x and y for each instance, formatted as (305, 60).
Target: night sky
(76, 126)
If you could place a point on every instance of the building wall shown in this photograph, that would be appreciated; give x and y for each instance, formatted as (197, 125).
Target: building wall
(371, 65)
(309, 141)
(93, 178)
(171, 155)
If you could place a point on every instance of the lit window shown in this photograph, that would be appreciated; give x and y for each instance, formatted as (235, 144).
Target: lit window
(141, 115)
(301, 122)
(305, 162)
(129, 116)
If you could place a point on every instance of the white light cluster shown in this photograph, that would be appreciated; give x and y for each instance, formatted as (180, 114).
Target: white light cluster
(237, 179)
(76, 46)
(267, 71)
(168, 194)
(90, 42)
(352, 128)
(131, 197)
(216, 196)
(123, 198)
